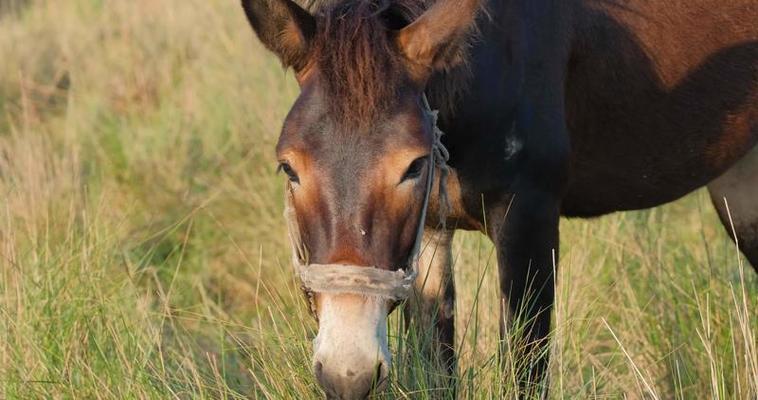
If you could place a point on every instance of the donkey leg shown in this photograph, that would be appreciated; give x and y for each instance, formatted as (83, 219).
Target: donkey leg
(526, 236)
(739, 186)
(432, 305)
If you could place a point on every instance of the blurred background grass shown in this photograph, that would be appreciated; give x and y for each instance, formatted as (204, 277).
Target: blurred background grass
(143, 252)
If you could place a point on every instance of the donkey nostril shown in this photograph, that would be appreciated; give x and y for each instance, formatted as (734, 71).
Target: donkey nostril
(322, 379)
(318, 368)
(380, 377)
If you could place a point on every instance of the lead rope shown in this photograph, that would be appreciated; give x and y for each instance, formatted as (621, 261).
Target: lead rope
(362, 280)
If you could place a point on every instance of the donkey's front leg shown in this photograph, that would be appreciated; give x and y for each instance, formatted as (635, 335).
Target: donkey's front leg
(527, 242)
(432, 308)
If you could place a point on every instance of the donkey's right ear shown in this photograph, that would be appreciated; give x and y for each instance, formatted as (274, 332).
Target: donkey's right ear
(283, 27)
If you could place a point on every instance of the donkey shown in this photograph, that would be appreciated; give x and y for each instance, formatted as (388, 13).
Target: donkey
(549, 107)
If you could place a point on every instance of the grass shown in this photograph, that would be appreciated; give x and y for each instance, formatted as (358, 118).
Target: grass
(143, 252)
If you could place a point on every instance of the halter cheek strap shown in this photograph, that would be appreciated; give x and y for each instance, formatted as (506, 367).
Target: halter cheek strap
(365, 280)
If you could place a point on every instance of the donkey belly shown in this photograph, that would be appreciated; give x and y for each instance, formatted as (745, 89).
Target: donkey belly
(661, 99)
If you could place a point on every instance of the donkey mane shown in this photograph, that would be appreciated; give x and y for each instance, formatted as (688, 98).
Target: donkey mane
(361, 68)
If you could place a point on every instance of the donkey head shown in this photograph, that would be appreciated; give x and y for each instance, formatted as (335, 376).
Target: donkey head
(355, 148)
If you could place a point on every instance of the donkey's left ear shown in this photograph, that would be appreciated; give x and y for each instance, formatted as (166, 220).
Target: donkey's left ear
(283, 27)
(434, 41)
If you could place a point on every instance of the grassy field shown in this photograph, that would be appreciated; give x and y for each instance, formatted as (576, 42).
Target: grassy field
(143, 252)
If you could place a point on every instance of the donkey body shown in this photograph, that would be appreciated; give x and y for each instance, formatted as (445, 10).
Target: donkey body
(550, 107)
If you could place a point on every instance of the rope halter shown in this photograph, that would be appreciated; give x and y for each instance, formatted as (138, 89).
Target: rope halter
(366, 280)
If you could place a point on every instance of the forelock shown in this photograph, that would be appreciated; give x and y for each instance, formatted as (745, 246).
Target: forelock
(357, 59)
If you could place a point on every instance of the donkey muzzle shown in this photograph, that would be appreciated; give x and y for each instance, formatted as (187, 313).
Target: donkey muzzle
(351, 356)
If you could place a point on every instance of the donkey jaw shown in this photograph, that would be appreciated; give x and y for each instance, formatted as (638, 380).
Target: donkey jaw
(351, 357)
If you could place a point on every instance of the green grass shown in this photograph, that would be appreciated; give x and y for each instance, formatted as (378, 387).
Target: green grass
(143, 252)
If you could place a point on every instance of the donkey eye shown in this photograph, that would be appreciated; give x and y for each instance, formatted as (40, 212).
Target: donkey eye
(415, 169)
(287, 169)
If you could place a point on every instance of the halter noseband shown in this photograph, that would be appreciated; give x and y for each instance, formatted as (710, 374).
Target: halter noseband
(364, 280)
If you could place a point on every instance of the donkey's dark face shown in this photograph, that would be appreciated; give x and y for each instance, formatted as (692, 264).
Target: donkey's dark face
(357, 191)
(357, 197)
(355, 148)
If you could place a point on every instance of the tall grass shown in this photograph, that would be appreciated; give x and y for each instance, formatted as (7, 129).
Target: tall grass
(143, 254)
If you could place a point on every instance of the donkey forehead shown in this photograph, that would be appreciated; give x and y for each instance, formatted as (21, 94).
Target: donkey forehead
(310, 129)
